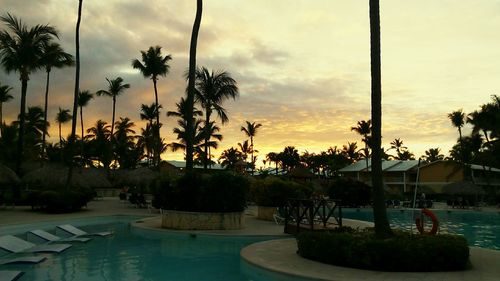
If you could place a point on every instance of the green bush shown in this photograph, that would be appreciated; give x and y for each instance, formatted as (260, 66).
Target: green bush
(273, 192)
(352, 193)
(61, 200)
(402, 252)
(220, 192)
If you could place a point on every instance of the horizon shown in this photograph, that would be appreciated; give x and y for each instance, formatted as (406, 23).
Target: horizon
(305, 77)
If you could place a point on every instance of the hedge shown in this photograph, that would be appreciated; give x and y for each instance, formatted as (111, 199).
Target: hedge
(402, 252)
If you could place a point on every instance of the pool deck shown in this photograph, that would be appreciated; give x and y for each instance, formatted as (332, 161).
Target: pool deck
(275, 255)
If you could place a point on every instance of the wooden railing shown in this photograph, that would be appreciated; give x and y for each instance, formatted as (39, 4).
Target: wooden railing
(312, 214)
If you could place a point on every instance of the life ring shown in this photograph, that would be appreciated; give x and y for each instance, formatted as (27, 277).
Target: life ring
(419, 221)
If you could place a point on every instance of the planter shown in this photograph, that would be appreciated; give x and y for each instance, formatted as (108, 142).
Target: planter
(265, 213)
(201, 221)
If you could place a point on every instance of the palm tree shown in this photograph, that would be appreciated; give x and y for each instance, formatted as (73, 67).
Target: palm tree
(63, 116)
(180, 131)
(53, 56)
(350, 151)
(364, 128)
(230, 157)
(4, 97)
(191, 86)
(83, 100)
(75, 95)
(212, 89)
(458, 120)
(149, 113)
(124, 140)
(251, 131)
(273, 157)
(21, 51)
(245, 149)
(153, 65)
(433, 154)
(99, 137)
(382, 228)
(115, 88)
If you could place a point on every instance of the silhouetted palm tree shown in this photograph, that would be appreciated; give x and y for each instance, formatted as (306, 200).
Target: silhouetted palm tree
(115, 88)
(153, 65)
(99, 137)
(251, 130)
(212, 89)
(53, 56)
(350, 151)
(191, 87)
(63, 116)
(76, 90)
(21, 50)
(4, 97)
(83, 100)
(433, 154)
(245, 149)
(382, 228)
(458, 120)
(272, 157)
(230, 157)
(364, 128)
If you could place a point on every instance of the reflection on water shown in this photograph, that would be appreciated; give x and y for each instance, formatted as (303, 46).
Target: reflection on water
(481, 229)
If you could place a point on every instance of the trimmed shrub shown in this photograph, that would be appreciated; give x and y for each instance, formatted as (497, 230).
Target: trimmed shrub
(352, 193)
(273, 192)
(193, 192)
(402, 252)
(60, 201)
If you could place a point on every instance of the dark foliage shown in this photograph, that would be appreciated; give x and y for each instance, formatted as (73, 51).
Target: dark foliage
(273, 192)
(221, 192)
(401, 252)
(60, 200)
(352, 193)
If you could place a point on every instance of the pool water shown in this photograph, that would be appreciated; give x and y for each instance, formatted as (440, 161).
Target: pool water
(139, 254)
(481, 229)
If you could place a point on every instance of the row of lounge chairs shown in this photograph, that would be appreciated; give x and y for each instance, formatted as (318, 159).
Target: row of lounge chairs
(13, 244)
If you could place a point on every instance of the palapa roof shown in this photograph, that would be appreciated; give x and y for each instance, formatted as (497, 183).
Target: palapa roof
(462, 187)
(7, 176)
(52, 175)
(142, 176)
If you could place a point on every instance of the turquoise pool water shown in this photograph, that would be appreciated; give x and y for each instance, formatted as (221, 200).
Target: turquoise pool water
(138, 254)
(481, 229)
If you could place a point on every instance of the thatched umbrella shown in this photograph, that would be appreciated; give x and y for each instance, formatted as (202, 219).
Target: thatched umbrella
(462, 188)
(141, 177)
(56, 176)
(7, 176)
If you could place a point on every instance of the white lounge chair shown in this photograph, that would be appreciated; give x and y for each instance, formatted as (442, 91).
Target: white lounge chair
(17, 245)
(68, 228)
(10, 275)
(24, 259)
(49, 237)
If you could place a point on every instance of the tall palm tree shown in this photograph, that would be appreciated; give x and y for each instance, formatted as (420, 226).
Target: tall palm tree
(21, 51)
(63, 116)
(212, 89)
(191, 86)
(82, 101)
(364, 128)
(382, 228)
(457, 119)
(4, 97)
(149, 113)
(76, 90)
(153, 65)
(53, 56)
(115, 88)
(99, 137)
(251, 130)
(273, 157)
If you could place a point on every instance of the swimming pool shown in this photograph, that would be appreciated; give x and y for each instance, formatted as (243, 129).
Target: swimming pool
(140, 254)
(481, 229)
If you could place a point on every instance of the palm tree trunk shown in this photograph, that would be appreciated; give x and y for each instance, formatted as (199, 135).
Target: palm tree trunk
(1, 118)
(251, 145)
(75, 95)
(157, 153)
(45, 115)
(83, 135)
(22, 117)
(60, 135)
(113, 118)
(207, 137)
(382, 228)
(190, 96)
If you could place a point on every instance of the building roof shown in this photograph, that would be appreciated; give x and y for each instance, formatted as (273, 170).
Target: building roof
(481, 167)
(182, 164)
(387, 166)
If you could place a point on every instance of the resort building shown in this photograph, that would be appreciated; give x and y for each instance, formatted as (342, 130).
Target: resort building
(402, 176)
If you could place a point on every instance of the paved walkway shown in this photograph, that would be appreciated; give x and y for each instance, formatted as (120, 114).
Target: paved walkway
(274, 255)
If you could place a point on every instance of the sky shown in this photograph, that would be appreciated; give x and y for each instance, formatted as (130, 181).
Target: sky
(302, 66)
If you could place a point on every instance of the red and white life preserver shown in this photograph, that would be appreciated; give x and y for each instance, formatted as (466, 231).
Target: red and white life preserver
(419, 221)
